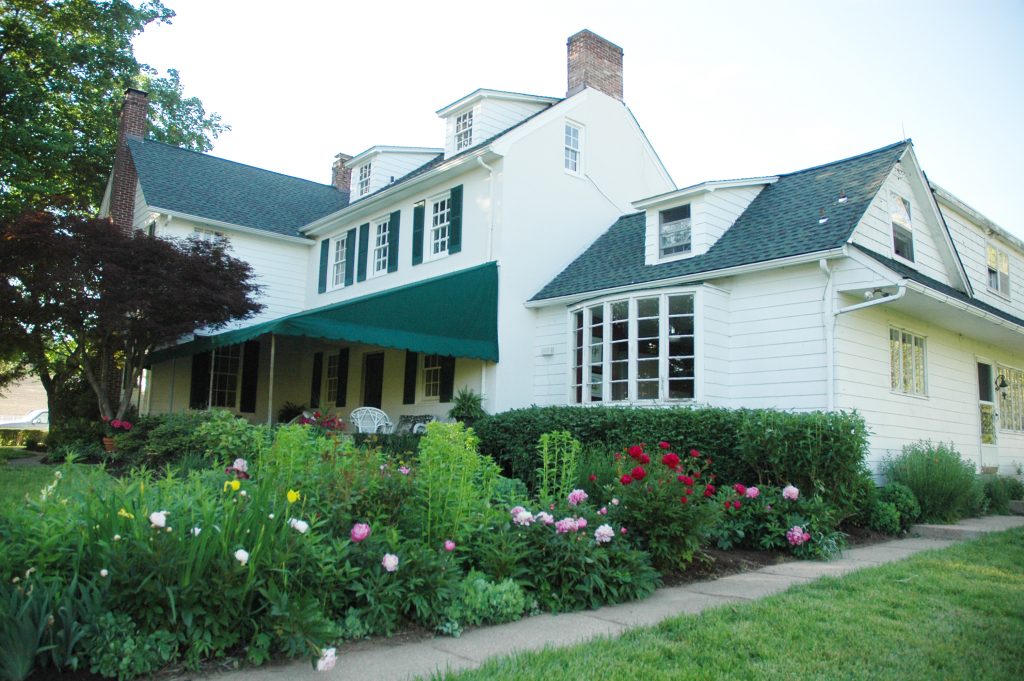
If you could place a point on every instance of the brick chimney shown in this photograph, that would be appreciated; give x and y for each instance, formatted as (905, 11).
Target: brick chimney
(596, 63)
(122, 193)
(341, 175)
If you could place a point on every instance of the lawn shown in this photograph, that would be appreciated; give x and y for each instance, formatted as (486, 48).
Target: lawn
(951, 614)
(13, 453)
(16, 481)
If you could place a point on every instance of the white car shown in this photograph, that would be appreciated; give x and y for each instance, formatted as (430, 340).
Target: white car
(37, 419)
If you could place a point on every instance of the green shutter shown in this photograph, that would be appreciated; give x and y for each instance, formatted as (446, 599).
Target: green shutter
(455, 221)
(447, 378)
(412, 363)
(342, 377)
(393, 231)
(250, 376)
(350, 255)
(325, 251)
(418, 211)
(199, 391)
(314, 388)
(364, 249)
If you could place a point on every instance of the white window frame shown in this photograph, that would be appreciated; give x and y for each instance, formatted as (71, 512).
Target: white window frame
(997, 270)
(431, 373)
(339, 251)
(379, 255)
(1011, 399)
(438, 234)
(899, 381)
(331, 380)
(226, 376)
(679, 225)
(363, 176)
(904, 220)
(573, 149)
(463, 138)
(593, 354)
(205, 233)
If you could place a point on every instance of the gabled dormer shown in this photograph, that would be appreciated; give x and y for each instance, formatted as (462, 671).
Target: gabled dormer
(379, 166)
(687, 222)
(483, 114)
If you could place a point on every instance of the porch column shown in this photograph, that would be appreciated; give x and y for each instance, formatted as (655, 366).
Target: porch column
(270, 384)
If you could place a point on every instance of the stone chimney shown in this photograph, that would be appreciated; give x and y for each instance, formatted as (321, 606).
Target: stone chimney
(596, 63)
(122, 193)
(341, 175)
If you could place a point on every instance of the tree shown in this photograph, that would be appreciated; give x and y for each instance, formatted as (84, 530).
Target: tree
(81, 295)
(64, 65)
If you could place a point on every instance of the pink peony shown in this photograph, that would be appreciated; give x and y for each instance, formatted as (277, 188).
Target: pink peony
(516, 510)
(753, 492)
(577, 497)
(603, 510)
(581, 523)
(566, 525)
(790, 492)
(359, 532)
(449, 545)
(604, 534)
(796, 536)
(327, 660)
(389, 562)
(546, 518)
(524, 518)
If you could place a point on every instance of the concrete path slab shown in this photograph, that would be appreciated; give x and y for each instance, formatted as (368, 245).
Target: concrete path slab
(386, 660)
(968, 528)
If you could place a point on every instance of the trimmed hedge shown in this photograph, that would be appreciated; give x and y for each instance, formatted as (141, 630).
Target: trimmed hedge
(820, 452)
(32, 439)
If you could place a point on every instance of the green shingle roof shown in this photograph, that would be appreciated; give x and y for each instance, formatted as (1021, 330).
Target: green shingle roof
(217, 189)
(782, 222)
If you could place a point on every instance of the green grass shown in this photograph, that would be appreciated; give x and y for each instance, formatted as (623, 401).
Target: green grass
(16, 481)
(7, 453)
(957, 613)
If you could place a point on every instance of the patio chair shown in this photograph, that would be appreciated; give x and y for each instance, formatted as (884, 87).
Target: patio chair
(370, 420)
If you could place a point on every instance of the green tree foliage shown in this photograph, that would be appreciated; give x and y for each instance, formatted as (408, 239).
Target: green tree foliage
(64, 65)
(78, 294)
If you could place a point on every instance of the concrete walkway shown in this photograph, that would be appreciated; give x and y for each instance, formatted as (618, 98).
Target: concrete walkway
(391, 660)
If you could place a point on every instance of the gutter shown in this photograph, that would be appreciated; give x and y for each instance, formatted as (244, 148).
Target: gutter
(901, 290)
(694, 277)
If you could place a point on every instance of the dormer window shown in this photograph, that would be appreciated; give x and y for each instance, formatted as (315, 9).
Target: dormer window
(464, 131)
(998, 271)
(363, 185)
(675, 231)
(902, 232)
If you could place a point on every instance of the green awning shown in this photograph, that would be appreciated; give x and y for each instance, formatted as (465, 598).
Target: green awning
(454, 314)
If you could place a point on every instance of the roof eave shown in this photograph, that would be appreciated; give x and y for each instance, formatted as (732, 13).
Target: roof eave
(484, 93)
(692, 277)
(256, 231)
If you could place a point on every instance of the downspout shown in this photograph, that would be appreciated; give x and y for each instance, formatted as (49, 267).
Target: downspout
(490, 208)
(828, 320)
(270, 384)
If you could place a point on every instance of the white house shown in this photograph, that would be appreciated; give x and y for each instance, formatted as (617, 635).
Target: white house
(488, 263)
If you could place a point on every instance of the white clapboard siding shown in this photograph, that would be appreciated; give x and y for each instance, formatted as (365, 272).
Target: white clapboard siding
(551, 355)
(972, 243)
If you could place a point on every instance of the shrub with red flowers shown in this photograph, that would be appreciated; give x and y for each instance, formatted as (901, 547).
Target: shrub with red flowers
(763, 519)
(112, 427)
(665, 501)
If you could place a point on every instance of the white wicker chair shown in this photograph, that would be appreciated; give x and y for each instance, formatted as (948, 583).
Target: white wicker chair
(370, 420)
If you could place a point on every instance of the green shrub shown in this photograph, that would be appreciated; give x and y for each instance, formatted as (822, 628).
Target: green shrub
(226, 437)
(905, 502)
(395, 444)
(818, 452)
(118, 650)
(482, 601)
(863, 499)
(886, 518)
(155, 441)
(941, 481)
(999, 490)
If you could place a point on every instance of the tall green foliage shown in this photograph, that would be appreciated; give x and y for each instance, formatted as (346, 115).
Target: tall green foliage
(942, 482)
(559, 463)
(452, 481)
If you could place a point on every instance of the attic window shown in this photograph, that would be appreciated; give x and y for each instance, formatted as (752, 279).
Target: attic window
(902, 232)
(674, 231)
(998, 271)
(364, 179)
(464, 131)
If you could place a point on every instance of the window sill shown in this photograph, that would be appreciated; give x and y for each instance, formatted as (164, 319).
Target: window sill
(997, 292)
(911, 395)
(900, 259)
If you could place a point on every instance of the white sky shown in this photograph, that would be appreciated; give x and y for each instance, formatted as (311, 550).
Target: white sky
(723, 89)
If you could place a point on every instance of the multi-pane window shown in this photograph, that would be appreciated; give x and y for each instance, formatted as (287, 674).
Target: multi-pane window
(332, 379)
(363, 184)
(440, 220)
(907, 367)
(572, 148)
(1011, 398)
(998, 270)
(338, 266)
(674, 230)
(204, 233)
(380, 246)
(464, 131)
(227, 364)
(432, 376)
(634, 349)
(902, 231)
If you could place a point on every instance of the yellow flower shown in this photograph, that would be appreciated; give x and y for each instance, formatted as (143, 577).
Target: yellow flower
(227, 483)
(293, 496)
(125, 514)
(235, 485)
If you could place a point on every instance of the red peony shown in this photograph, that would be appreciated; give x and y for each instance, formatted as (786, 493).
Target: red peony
(638, 473)
(664, 445)
(727, 506)
(694, 453)
(709, 490)
(736, 504)
(625, 479)
(635, 451)
(671, 459)
(686, 480)
(643, 458)
(683, 500)
(740, 489)
(593, 477)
